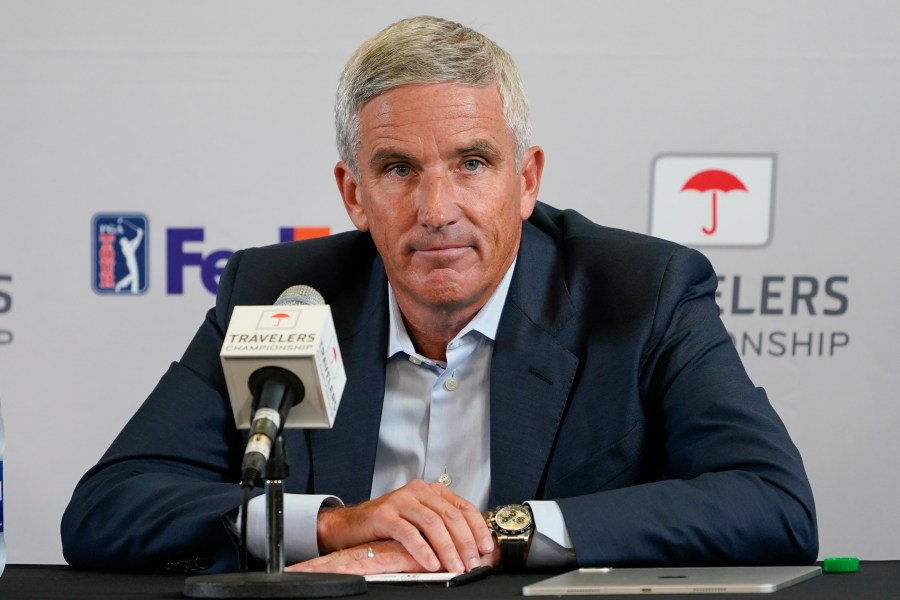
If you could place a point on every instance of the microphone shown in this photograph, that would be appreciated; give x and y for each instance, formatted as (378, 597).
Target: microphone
(276, 392)
(274, 357)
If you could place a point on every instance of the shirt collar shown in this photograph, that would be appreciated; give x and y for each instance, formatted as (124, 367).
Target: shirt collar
(485, 321)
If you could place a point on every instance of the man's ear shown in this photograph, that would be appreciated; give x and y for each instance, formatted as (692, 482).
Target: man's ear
(530, 174)
(349, 189)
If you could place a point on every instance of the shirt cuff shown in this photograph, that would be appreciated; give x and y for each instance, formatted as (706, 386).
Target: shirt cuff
(551, 545)
(301, 512)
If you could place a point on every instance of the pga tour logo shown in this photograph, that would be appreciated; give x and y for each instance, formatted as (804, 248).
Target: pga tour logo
(713, 200)
(119, 253)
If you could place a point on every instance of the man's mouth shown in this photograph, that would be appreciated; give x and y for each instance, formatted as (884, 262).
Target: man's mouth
(443, 252)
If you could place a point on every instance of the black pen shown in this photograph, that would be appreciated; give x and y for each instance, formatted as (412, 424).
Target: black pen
(470, 576)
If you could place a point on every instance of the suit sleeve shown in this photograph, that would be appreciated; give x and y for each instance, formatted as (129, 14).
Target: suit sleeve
(156, 500)
(731, 487)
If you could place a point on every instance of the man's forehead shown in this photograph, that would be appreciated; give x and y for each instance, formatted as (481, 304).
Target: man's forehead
(455, 114)
(424, 102)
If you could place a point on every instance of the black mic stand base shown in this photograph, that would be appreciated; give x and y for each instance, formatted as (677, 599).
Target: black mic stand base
(274, 585)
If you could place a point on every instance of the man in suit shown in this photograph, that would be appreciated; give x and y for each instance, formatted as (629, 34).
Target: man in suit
(525, 387)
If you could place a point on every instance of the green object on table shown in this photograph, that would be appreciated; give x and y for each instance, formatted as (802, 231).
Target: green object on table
(843, 564)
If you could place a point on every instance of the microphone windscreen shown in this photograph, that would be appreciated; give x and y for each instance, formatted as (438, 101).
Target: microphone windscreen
(298, 295)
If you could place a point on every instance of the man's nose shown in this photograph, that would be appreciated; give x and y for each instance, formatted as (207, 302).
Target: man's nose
(438, 201)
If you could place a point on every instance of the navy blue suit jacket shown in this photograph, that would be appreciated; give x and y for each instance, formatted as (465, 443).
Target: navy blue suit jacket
(615, 390)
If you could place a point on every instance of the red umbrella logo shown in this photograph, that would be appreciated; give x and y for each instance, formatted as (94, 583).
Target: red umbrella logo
(715, 181)
(278, 317)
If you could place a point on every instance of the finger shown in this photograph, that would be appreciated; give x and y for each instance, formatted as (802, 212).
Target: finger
(441, 516)
(414, 541)
(385, 557)
(462, 537)
(467, 527)
(332, 561)
(476, 523)
(430, 526)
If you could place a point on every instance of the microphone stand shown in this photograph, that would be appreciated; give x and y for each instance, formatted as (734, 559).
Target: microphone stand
(275, 583)
(276, 473)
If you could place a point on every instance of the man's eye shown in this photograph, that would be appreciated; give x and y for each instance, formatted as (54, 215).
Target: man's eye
(400, 170)
(472, 165)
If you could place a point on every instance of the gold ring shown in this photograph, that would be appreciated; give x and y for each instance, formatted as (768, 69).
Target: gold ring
(370, 553)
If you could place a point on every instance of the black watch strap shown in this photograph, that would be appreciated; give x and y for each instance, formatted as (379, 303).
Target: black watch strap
(512, 554)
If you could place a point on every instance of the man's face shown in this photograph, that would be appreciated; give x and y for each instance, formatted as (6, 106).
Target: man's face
(439, 192)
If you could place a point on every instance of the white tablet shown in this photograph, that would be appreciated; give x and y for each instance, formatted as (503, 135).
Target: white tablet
(687, 580)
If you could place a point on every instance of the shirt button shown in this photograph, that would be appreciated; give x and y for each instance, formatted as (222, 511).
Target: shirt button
(451, 384)
(415, 360)
(445, 479)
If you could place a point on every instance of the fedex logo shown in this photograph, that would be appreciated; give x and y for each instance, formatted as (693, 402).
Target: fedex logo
(713, 200)
(185, 252)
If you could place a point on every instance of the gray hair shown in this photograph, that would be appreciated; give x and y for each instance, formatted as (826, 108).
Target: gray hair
(427, 50)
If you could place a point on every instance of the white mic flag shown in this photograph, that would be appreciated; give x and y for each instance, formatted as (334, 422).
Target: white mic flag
(296, 334)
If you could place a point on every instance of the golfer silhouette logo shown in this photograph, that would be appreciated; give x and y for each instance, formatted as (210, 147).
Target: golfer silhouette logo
(120, 254)
(129, 248)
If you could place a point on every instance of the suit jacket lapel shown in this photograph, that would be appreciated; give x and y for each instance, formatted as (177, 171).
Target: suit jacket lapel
(343, 458)
(531, 371)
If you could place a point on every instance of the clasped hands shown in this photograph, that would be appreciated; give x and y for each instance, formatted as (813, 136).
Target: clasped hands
(416, 528)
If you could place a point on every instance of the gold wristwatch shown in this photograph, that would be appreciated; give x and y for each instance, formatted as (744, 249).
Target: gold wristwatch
(513, 525)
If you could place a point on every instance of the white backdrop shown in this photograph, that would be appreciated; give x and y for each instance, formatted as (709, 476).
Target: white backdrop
(215, 116)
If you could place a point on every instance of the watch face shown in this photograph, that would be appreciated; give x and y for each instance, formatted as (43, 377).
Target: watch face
(513, 519)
